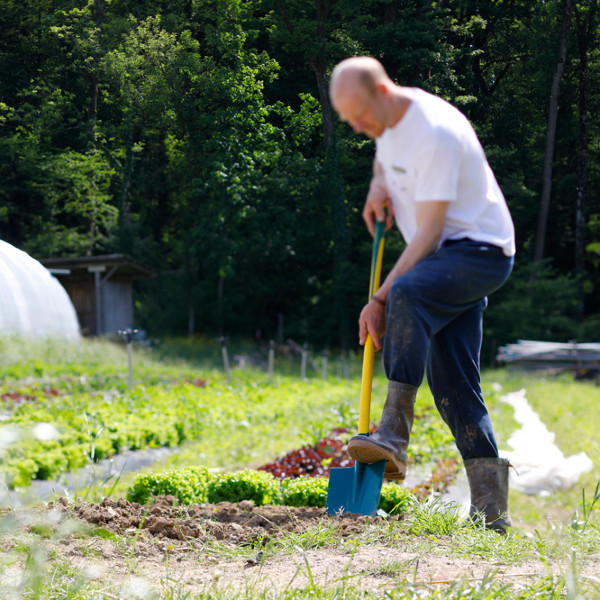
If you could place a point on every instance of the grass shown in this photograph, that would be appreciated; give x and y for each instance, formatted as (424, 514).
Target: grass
(561, 532)
(42, 577)
(431, 518)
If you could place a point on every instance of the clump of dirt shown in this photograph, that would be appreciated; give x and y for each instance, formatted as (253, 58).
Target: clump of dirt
(240, 523)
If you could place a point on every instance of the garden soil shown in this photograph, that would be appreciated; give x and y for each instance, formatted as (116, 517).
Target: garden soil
(207, 546)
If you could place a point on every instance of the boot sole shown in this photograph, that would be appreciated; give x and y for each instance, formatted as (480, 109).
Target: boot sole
(392, 473)
(367, 452)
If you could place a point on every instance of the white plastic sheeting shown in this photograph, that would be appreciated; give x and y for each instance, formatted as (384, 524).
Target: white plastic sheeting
(33, 303)
(539, 465)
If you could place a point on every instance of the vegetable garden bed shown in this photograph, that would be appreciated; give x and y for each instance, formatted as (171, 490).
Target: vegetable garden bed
(229, 426)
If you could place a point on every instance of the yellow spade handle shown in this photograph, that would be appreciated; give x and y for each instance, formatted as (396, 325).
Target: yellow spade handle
(364, 415)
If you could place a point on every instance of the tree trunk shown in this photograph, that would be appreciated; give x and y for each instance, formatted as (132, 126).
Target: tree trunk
(551, 133)
(581, 170)
(341, 243)
(391, 12)
(126, 240)
(319, 66)
(335, 181)
(95, 75)
(317, 62)
(585, 30)
(220, 287)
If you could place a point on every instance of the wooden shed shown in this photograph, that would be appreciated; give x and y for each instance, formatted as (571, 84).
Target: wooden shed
(101, 289)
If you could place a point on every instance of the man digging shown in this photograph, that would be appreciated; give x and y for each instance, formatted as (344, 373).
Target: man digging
(431, 176)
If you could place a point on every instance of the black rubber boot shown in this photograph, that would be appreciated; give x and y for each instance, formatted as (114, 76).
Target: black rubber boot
(488, 480)
(390, 441)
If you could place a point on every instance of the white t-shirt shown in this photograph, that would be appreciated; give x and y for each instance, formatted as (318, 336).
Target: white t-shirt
(433, 153)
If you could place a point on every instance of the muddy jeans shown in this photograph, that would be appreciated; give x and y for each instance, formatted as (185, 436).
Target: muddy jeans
(434, 321)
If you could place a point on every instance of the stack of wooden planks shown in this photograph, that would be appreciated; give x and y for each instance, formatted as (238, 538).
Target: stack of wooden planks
(581, 359)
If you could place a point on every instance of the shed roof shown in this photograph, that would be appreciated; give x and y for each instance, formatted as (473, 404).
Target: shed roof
(123, 263)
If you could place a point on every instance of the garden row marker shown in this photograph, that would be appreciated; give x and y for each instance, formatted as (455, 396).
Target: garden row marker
(357, 489)
(303, 363)
(128, 335)
(271, 360)
(324, 365)
(223, 341)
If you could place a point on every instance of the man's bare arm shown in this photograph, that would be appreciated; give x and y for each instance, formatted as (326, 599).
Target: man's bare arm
(431, 217)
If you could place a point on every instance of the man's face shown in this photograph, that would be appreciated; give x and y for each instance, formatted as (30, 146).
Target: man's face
(360, 109)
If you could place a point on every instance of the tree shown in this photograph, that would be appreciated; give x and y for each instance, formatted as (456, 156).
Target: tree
(587, 35)
(551, 130)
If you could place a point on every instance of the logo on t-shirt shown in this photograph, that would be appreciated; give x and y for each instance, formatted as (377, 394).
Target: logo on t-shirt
(398, 169)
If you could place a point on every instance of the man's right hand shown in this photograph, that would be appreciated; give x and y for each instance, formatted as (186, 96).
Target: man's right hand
(378, 206)
(372, 322)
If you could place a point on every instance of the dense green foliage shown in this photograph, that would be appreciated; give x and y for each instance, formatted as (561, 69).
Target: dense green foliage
(196, 484)
(197, 137)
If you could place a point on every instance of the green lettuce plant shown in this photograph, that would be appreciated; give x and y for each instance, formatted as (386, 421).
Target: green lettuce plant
(259, 487)
(188, 485)
(305, 491)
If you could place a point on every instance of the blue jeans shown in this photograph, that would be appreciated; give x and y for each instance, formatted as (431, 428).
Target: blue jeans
(434, 321)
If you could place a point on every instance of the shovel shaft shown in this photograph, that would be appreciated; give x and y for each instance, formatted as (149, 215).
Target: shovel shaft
(364, 415)
(376, 259)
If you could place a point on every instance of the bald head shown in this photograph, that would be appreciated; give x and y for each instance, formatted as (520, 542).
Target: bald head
(364, 96)
(359, 73)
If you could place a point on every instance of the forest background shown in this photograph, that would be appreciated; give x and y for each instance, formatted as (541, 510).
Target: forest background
(197, 136)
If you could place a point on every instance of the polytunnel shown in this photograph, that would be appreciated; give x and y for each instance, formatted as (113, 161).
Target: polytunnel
(33, 303)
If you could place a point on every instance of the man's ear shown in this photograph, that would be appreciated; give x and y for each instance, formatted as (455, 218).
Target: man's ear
(382, 88)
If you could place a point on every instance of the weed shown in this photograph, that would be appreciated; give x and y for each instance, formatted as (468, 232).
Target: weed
(435, 517)
(104, 534)
(393, 568)
(495, 548)
(586, 510)
(324, 534)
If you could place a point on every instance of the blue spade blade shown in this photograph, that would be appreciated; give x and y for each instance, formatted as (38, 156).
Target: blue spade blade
(355, 489)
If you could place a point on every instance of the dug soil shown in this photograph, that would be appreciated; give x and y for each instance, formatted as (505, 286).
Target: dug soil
(238, 524)
(223, 546)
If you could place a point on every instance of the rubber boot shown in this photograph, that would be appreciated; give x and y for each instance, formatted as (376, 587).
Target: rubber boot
(390, 441)
(488, 480)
